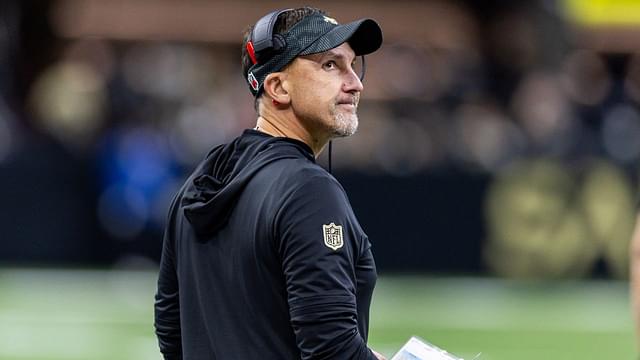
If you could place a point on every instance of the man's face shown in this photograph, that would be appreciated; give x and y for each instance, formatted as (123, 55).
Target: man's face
(325, 91)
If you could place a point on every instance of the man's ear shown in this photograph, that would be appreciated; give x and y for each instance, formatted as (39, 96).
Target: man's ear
(274, 87)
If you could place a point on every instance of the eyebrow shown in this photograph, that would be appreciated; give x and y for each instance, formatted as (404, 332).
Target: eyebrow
(335, 55)
(329, 54)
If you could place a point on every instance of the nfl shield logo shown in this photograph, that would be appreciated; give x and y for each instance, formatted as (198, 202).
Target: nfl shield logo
(252, 81)
(332, 236)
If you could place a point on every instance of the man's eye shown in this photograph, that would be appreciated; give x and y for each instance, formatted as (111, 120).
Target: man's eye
(330, 65)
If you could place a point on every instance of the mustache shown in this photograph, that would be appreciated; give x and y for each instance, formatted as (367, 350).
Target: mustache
(352, 100)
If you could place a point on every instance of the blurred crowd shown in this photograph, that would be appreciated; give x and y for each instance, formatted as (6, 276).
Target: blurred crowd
(550, 122)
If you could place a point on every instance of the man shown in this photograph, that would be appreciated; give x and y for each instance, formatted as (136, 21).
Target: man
(263, 257)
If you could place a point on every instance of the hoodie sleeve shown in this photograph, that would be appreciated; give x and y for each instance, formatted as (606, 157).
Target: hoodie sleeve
(319, 242)
(167, 305)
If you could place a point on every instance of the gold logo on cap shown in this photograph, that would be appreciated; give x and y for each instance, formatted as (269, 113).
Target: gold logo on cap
(330, 20)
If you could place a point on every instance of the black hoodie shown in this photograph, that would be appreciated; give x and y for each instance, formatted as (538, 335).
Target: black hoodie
(263, 258)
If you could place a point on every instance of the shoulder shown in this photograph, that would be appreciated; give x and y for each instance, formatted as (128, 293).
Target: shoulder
(311, 191)
(295, 174)
(312, 179)
(313, 206)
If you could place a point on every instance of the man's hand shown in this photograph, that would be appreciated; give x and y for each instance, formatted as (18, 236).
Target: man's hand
(378, 355)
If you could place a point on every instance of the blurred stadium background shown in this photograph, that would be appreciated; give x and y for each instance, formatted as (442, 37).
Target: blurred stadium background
(495, 170)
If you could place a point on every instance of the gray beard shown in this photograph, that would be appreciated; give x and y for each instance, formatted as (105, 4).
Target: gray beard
(344, 124)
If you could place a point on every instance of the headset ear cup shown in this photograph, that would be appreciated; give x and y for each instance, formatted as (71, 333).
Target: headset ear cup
(279, 43)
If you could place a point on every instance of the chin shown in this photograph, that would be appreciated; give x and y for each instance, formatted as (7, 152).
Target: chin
(345, 125)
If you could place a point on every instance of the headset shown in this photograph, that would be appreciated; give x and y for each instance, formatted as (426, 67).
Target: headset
(263, 43)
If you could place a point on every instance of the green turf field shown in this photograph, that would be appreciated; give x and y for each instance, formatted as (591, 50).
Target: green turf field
(64, 314)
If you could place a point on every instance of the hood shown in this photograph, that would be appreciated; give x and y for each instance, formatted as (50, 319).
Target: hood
(211, 192)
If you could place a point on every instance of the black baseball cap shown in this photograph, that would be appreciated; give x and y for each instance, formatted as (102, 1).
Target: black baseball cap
(313, 34)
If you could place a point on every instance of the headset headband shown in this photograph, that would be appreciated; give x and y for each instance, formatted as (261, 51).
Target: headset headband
(262, 41)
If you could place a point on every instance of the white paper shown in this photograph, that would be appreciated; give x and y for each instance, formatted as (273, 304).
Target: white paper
(418, 349)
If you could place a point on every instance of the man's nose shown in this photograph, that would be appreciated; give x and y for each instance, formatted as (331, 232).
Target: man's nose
(352, 82)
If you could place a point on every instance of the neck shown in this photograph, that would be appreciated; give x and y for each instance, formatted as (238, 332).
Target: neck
(283, 123)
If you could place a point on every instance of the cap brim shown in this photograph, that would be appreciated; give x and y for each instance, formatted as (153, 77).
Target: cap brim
(364, 36)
